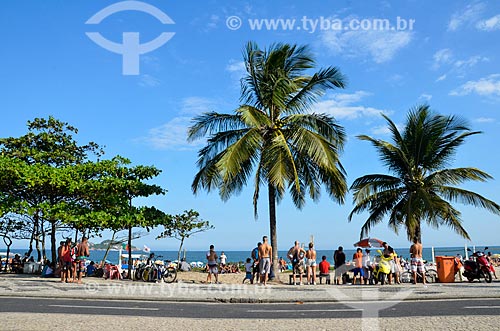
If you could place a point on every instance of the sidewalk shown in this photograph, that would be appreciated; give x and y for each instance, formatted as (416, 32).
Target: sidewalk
(94, 288)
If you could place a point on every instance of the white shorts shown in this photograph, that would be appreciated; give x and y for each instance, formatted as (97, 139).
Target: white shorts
(311, 263)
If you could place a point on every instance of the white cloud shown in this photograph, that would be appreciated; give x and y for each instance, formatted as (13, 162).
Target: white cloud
(443, 56)
(425, 96)
(470, 62)
(213, 21)
(383, 130)
(171, 135)
(380, 45)
(236, 67)
(486, 86)
(468, 16)
(148, 81)
(396, 78)
(197, 105)
(343, 106)
(484, 120)
(440, 78)
(490, 24)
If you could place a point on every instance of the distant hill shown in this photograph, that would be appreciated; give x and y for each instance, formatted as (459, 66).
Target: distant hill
(105, 243)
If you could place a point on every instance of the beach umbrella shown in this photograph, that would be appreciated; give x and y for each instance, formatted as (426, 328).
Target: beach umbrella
(369, 242)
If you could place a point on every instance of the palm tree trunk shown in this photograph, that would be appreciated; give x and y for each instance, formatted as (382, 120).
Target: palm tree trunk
(272, 226)
(418, 232)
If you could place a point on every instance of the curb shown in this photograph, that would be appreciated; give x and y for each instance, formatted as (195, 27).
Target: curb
(236, 300)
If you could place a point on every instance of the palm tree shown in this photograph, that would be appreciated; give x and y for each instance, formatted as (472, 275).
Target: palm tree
(422, 188)
(274, 136)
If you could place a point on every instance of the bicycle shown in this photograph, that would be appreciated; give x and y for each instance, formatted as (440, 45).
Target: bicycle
(157, 271)
(431, 275)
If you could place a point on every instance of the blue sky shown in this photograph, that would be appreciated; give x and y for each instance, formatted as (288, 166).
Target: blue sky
(448, 59)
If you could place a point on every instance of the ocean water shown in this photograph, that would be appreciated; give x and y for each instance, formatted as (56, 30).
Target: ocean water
(241, 256)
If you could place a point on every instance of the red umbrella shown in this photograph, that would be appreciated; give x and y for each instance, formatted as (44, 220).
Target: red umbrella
(369, 242)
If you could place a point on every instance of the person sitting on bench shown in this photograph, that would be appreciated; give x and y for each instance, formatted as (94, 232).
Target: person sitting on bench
(324, 269)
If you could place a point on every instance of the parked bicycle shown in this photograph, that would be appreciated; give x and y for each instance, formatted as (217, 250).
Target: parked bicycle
(156, 270)
(431, 275)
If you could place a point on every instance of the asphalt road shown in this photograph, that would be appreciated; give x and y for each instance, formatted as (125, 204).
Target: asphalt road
(267, 311)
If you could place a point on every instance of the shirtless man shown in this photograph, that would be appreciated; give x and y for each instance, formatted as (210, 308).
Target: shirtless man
(265, 260)
(416, 260)
(212, 265)
(311, 264)
(296, 255)
(83, 253)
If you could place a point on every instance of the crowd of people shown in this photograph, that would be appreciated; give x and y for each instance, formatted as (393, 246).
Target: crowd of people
(70, 264)
(305, 266)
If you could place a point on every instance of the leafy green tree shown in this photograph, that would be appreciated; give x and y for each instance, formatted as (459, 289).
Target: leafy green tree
(183, 226)
(107, 190)
(274, 136)
(36, 171)
(422, 188)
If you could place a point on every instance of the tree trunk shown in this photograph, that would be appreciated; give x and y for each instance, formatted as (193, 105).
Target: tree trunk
(8, 242)
(418, 232)
(272, 227)
(107, 250)
(179, 254)
(36, 235)
(30, 250)
(76, 236)
(53, 247)
(44, 251)
(129, 252)
(38, 250)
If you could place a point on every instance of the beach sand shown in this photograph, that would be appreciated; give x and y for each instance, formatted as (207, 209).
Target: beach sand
(199, 277)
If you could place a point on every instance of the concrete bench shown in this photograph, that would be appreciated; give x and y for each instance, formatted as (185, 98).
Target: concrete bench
(326, 276)
(290, 280)
(319, 276)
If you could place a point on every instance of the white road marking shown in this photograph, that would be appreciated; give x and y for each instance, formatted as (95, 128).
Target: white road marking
(102, 307)
(482, 307)
(300, 311)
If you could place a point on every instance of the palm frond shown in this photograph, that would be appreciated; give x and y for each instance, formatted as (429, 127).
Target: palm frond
(315, 87)
(212, 122)
(468, 198)
(456, 176)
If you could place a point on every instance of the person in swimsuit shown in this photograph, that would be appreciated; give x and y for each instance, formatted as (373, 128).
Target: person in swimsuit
(416, 260)
(83, 253)
(212, 265)
(265, 254)
(296, 255)
(311, 264)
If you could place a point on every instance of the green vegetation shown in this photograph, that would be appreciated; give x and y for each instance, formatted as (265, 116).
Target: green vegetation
(422, 188)
(274, 135)
(184, 226)
(50, 185)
